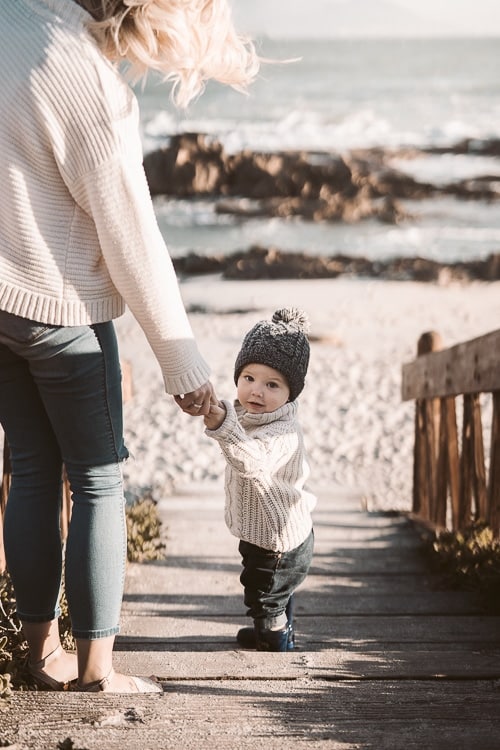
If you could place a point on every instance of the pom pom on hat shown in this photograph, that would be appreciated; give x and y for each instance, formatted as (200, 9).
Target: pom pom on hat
(280, 343)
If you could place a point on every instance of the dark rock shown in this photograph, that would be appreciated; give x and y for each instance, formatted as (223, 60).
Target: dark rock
(492, 268)
(271, 263)
(476, 146)
(190, 165)
(288, 175)
(414, 269)
(197, 265)
(312, 186)
(485, 187)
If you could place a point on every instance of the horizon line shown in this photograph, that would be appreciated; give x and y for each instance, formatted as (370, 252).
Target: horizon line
(375, 37)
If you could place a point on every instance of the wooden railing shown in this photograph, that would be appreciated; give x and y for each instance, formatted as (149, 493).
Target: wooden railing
(127, 391)
(453, 485)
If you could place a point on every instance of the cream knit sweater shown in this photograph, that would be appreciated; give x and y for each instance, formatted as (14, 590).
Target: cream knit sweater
(266, 470)
(78, 234)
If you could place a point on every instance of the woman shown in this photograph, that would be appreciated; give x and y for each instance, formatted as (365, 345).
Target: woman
(78, 242)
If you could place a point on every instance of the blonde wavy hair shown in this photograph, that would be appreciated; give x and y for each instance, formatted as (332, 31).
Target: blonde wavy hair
(187, 41)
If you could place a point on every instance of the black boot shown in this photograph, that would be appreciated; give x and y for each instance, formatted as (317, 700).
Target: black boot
(246, 636)
(271, 640)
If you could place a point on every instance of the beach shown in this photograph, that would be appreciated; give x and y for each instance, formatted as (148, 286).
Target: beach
(410, 128)
(358, 432)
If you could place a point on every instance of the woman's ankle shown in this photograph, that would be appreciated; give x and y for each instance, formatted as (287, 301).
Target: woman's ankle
(95, 659)
(43, 639)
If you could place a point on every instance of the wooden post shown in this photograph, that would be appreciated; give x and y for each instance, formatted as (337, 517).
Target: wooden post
(427, 419)
(448, 474)
(473, 475)
(493, 513)
(466, 461)
(478, 468)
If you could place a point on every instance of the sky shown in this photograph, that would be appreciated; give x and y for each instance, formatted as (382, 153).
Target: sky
(345, 18)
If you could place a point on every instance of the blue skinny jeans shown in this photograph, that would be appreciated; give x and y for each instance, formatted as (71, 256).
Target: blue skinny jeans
(60, 402)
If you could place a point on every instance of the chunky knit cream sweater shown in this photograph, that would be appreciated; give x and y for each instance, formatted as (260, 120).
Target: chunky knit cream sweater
(78, 234)
(266, 470)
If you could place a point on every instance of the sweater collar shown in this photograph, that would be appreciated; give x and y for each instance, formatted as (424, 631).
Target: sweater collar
(287, 412)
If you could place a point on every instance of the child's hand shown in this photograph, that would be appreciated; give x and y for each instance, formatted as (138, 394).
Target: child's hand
(216, 416)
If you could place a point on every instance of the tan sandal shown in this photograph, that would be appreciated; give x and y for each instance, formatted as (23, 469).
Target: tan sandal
(142, 684)
(37, 671)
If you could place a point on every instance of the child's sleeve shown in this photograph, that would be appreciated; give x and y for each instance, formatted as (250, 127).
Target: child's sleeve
(247, 455)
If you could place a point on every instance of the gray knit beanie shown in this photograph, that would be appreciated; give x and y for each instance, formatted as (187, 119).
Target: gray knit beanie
(280, 343)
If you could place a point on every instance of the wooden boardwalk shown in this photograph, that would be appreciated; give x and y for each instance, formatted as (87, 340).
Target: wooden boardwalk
(385, 659)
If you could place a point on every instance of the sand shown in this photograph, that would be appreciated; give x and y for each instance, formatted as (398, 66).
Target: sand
(359, 433)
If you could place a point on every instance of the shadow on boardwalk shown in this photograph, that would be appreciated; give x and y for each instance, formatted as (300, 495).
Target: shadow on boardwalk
(384, 658)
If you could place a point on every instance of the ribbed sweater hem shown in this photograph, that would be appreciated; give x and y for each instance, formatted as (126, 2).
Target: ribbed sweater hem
(59, 312)
(276, 543)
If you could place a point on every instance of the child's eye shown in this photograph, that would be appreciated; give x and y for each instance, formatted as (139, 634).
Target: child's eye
(249, 378)
(273, 385)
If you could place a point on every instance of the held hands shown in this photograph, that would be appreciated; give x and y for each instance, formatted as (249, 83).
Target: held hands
(216, 415)
(203, 402)
(197, 403)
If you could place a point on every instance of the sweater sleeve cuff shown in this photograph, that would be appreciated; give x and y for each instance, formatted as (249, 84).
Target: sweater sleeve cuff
(188, 381)
(227, 427)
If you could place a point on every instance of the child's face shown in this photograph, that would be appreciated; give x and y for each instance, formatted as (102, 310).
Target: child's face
(261, 389)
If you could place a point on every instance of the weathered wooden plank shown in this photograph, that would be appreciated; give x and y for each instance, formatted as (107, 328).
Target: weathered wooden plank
(442, 467)
(473, 474)
(427, 417)
(245, 714)
(176, 585)
(478, 467)
(352, 561)
(493, 515)
(469, 367)
(466, 460)
(389, 664)
(318, 632)
(449, 447)
(343, 601)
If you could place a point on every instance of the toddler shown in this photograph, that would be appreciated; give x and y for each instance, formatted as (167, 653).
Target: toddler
(267, 506)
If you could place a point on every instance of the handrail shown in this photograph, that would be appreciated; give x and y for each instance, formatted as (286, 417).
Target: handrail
(450, 486)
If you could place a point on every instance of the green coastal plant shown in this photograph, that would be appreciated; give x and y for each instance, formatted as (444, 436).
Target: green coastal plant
(469, 560)
(143, 543)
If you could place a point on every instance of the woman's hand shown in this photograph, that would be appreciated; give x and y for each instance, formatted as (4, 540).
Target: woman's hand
(197, 403)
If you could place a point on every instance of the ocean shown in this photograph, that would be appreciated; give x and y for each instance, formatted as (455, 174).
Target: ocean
(339, 95)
